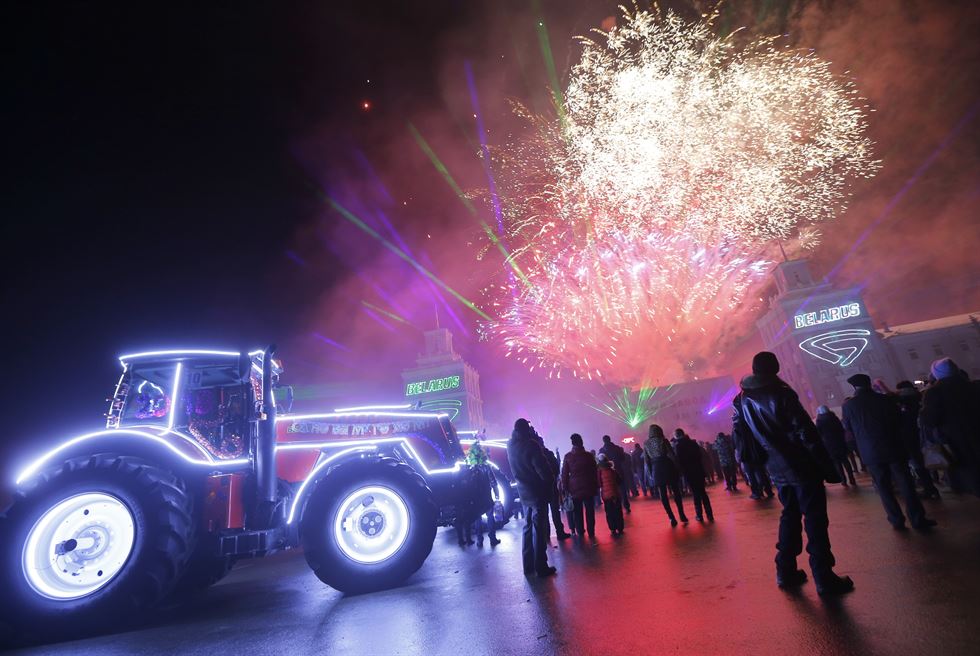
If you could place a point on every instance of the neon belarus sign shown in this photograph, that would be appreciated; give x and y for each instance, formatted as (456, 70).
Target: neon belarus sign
(827, 315)
(434, 385)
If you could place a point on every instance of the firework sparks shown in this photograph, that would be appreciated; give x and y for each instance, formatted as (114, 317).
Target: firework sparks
(649, 211)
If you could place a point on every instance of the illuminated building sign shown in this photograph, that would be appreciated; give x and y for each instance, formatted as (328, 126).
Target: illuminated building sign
(840, 347)
(827, 315)
(435, 385)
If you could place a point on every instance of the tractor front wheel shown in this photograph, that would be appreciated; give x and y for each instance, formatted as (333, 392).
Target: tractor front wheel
(368, 526)
(93, 542)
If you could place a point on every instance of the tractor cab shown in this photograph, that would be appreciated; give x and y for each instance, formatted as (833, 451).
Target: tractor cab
(212, 398)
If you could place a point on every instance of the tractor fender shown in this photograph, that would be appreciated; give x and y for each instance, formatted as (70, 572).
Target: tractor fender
(166, 448)
(325, 467)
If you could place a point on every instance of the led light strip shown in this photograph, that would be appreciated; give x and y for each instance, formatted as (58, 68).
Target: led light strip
(336, 415)
(31, 469)
(301, 492)
(406, 406)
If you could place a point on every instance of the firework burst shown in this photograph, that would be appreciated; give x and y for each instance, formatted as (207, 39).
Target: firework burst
(648, 213)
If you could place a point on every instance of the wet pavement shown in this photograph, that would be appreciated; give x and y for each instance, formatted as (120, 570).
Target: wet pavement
(693, 589)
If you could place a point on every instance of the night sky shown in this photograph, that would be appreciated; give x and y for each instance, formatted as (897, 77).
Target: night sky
(167, 165)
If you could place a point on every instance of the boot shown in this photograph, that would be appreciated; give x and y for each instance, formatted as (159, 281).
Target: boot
(790, 578)
(830, 584)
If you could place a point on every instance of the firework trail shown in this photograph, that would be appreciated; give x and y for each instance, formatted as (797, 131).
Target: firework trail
(646, 218)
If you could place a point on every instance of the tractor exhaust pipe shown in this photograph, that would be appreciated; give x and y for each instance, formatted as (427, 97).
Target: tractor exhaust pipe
(266, 482)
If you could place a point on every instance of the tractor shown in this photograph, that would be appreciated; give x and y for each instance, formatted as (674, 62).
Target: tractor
(198, 467)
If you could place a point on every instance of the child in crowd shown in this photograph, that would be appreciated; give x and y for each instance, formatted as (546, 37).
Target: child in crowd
(609, 488)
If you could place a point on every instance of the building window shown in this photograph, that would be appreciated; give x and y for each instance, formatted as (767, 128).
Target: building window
(913, 354)
(937, 349)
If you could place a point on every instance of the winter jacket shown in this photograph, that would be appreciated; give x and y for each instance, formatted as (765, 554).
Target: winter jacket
(608, 482)
(706, 462)
(579, 479)
(874, 420)
(768, 411)
(951, 408)
(529, 465)
(725, 451)
(476, 492)
(660, 461)
(689, 459)
(832, 433)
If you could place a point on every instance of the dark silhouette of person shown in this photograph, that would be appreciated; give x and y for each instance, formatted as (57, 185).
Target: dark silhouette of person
(951, 412)
(535, 480)
(691, 460)
(833, 435)
(619, 459)
(580, 480)
(874, 419)
(554, 502)
(660, 461)
(768, 411)
(909, 403)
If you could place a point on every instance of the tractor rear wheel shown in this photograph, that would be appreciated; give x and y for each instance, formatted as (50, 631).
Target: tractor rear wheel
(369, 525)
(95, 541)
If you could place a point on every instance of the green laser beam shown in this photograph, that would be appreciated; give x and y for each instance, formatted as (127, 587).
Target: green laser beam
(447, 176)
(549, 61)
(390, 315)
(347, 214)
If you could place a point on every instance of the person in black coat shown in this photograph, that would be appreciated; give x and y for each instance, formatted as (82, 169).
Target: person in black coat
(832, 433)
(768, 411)
(555, 501)
(909, 402)
(873, 419)
(951, 410)
(691, 461)
(659, 456)
(535, 481)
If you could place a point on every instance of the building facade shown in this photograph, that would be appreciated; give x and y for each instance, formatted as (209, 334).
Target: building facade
(915, 346)
(442, 381)
(822, 336)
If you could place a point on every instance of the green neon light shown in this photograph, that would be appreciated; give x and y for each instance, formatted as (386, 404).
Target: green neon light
(434, 385)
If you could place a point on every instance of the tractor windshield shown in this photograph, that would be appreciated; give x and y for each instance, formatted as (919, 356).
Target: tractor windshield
(150, 400)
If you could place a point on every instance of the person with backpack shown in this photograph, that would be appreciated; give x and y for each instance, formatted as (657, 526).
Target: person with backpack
(660, 462)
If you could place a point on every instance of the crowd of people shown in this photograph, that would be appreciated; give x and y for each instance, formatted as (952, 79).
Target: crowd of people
(903, 439)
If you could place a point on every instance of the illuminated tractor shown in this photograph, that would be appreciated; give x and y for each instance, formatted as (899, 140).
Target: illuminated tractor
(195, 471)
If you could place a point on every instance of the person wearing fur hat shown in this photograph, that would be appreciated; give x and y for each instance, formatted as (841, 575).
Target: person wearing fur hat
(874, 420)
(951, 411)
(768, 411)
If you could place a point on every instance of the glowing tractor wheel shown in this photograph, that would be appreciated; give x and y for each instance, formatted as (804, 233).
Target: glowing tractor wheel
(368, 525)
(78, 546)
(92, 542)
(372, 524)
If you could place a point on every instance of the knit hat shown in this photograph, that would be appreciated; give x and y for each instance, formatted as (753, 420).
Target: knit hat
(603, 457)
(860, 380)
(822, 410)
(765, 363)
(944, 368)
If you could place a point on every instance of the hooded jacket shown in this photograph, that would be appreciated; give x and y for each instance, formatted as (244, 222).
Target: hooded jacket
(874, 420)
(769, 412)
(579, 478)
(530, 467)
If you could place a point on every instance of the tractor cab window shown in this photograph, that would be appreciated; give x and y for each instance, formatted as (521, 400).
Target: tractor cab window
(216, 405)
(150, 399)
